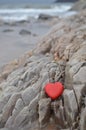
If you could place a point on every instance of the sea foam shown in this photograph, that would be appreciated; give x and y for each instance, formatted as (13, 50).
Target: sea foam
(18, 14)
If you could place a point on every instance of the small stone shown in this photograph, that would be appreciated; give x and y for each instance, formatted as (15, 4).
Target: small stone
(24, 32)
(44, 17)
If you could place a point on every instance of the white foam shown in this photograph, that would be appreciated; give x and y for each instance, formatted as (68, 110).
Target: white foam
(24, 14)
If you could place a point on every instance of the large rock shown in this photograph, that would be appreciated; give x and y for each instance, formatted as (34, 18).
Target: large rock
(60, 56)
(22, 88)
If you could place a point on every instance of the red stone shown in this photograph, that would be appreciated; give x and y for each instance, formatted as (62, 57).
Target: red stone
(54, 90)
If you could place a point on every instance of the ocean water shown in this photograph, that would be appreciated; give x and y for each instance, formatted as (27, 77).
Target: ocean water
(18, 10)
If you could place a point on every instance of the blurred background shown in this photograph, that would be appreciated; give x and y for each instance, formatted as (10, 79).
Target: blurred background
(24, 22)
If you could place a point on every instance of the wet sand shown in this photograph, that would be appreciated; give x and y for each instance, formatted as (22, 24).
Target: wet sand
(17, 39)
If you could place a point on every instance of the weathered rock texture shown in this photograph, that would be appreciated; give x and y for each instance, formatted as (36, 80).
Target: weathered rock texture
(60, 56)
(80, 5)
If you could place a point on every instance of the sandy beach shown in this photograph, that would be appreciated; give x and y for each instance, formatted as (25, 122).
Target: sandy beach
(18, 38)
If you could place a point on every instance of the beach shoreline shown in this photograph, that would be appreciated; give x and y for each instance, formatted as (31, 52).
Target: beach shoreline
(19, 38)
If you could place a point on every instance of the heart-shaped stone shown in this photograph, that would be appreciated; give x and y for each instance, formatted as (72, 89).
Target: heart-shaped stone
(54, 90)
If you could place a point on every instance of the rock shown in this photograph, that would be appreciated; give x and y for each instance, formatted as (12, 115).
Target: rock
(14, 77)
(78, 6)
(79, 91)
(75, 69)
(44, 17)
(70, 106)
(83, 120)
(3, 102)
(44, 111)
(42, 94)
(24, 32)
(80, 76)
(18, 107)
(30, 93)
(7, 69)
(44, 49)
(22, 98)
(59, 113)
(83, 100)
(1, 21)
(22, 118)
(8, 30)
(33, 108)
(66, 129)
(4, 129)
(27, 115)
(31, 74)
(8, 108)
(22, 21)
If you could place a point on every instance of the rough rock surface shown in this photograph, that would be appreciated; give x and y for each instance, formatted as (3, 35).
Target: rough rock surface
(60, 56)
(44, 111)
(80, 5)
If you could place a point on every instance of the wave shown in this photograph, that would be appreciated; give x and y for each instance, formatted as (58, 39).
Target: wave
(26, 13)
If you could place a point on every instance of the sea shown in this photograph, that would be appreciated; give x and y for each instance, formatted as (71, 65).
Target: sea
(18, 10)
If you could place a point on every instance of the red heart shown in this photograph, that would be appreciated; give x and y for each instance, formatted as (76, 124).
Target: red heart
(54, 90)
